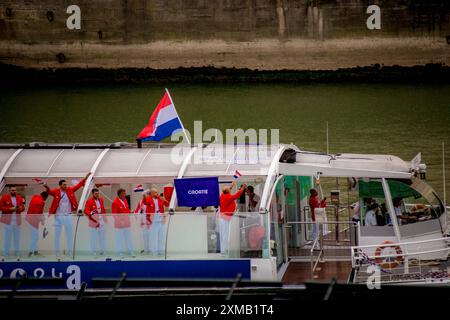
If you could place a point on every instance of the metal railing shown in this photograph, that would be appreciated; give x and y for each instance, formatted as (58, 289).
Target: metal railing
(405, 264)
(328, 231)
(319, 240)
(336, 212)
(314, 263)
(129, 236)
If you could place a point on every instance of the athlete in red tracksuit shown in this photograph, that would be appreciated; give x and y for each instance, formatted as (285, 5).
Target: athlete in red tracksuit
(313, 204)
(11, 205)
(58, 194)
(95, 210)
(63, 204)
(156, 216)
(145, 223)
(35, 217)
(227, 209)
(122, 223)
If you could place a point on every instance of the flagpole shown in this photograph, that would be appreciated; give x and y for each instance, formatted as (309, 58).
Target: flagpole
(443, 172)
(184, 130)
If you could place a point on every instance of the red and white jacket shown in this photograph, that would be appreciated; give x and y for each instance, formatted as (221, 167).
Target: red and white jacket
(70, 192)
(315, 203)
(5, 207)
(141, 208)
(92, 211)
(151, 210)
(35, 211)
(228, 204)
(121, 211)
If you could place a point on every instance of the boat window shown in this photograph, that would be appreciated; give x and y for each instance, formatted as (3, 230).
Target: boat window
(414, 201)
(276, 224)
(372, 204)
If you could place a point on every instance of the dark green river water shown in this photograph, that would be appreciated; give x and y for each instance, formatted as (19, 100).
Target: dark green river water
(363, 118)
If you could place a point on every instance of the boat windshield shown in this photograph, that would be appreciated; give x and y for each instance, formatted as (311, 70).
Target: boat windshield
(416, 198)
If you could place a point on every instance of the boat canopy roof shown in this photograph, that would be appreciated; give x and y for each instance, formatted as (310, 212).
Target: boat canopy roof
(348, 165)
(110, 164)
(158, 161)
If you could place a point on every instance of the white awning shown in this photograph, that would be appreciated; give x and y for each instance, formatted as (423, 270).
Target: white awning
(120, 164)
(347, 165)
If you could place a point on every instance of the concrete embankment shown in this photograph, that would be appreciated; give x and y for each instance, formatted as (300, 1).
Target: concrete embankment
(186, 40)
(269, 54)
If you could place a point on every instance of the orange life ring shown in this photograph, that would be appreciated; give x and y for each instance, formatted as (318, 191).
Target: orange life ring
(388, 262)
(418, 207)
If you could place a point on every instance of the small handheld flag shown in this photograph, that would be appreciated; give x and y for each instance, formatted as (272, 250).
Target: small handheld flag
(44, 233)
(99, 185)
(38, 181)
(138, 188)
(237, 175)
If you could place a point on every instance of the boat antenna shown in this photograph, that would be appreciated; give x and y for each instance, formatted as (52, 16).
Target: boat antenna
(328, 145)
(443, 172)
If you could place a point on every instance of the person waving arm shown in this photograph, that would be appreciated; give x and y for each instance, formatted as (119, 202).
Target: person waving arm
(81, 183)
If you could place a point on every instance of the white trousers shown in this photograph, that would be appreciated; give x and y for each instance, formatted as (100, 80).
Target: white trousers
(314, 231)
(158, 237)
(146, 237)
(66, 222)
(97, 234)
(123, 240)
(34, 238)
(224, 226)
(11, 230)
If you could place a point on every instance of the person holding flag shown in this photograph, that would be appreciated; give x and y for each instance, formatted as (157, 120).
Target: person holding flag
(63, 205)
(95, 210)
(163, 122)
(227, 209)
(35, 217)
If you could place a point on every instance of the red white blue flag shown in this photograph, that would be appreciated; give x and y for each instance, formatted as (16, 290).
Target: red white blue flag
(163, 122)
(237, 175)
(38, 181)
(138, 188)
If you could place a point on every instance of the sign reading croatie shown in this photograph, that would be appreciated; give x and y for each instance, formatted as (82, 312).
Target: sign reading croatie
(197, 192)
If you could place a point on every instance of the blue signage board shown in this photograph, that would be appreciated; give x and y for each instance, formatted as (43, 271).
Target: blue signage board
(197, 192)
(74, 273)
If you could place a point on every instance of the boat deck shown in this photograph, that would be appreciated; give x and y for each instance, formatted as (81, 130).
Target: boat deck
(299, 272)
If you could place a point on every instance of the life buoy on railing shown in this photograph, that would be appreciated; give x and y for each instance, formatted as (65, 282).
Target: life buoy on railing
(391, 261)
(418, 207)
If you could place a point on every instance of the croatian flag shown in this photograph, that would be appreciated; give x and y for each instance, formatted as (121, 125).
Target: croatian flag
(163, 122)
(138, 188)
(38, 181)
(237, 175)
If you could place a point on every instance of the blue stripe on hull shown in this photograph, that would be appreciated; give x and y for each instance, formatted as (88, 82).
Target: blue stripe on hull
(76, 272)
